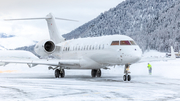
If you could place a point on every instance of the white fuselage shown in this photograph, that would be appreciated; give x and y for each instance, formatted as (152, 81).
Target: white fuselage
(98, 52)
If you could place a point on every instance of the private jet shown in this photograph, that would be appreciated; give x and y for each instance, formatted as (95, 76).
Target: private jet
(93, 53)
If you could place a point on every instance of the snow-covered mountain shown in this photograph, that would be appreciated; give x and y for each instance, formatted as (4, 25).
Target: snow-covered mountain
(1, 48)
(13, 42)
(3, 35)
(152, 24)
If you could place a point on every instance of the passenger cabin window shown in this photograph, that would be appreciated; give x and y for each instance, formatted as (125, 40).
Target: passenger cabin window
(115, 43)
(84, 47)
(92, 47)
(124, 43)
(132, 43)
(99, 46)
(103, 46)
(76, 48)
(89, 47)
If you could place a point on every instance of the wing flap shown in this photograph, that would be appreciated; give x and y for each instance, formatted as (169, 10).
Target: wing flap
(32, 63)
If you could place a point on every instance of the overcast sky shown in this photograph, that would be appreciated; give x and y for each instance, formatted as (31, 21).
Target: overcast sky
(81, 10)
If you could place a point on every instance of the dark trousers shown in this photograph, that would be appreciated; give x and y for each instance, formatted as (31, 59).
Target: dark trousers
(150, 71)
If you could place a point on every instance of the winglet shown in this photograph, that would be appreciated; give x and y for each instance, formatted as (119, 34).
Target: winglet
(172, 53)
(31, 65)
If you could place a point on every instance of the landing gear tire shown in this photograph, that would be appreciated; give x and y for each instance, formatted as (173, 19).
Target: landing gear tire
(62, 73)
(93, 73)
(129, 78)
(124, 77)
(98, 73)
(57, 73)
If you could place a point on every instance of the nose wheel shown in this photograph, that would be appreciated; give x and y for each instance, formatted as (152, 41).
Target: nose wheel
(127, 77)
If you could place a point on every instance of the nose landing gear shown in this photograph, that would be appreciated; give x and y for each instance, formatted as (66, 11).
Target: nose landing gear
(126, 72)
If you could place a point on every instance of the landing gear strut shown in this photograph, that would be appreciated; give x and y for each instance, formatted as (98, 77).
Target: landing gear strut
(96, 72)
(126, 72)
(60, 72)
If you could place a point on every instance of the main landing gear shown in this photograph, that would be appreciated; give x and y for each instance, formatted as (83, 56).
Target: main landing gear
(59, 73)
(126, 72)
(96, 72)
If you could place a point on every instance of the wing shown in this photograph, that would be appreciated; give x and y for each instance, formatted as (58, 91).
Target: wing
(157, 58)
(32, 63)
(151, 59)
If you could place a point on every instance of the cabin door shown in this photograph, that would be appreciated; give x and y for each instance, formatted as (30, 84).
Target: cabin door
(120, 56)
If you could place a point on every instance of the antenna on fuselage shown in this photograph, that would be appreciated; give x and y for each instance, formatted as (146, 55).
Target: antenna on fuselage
(53, 31)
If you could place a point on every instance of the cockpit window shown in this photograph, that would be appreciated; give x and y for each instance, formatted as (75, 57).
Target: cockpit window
(132, 43)
(115, 43)
(124, 43)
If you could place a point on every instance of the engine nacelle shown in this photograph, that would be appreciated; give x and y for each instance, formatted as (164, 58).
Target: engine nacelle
(45, 48)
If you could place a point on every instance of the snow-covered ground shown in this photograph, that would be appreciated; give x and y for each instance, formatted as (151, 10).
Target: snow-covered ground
(20, 83)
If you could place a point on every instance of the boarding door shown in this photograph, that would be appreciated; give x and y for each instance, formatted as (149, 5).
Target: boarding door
(120, 55)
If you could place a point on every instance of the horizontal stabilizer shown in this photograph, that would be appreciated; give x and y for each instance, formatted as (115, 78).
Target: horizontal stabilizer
(40, 18)
(172, 53)
(65, 19)
(27, 19)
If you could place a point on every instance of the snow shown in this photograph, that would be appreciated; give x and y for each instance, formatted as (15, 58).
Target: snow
(16, 42)
(153, 53)
(39, 84)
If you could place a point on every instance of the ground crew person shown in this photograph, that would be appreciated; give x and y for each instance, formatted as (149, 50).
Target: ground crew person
(150, 69)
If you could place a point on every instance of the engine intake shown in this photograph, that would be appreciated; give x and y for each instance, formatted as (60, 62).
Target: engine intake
(45, 48)
(49, 46)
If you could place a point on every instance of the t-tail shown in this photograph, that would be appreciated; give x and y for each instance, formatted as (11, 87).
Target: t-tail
(53, 30)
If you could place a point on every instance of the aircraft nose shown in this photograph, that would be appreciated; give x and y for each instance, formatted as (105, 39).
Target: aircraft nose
(137, 56)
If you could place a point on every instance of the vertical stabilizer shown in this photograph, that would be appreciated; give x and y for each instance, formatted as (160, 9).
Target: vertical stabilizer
(172, 53)
(53, 31)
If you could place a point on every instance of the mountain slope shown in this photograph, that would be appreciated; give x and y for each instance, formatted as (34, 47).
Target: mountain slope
(135, 18)
(3, 35)
(168, 31)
